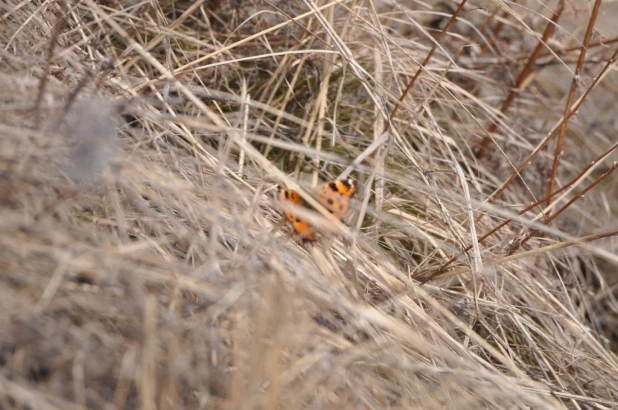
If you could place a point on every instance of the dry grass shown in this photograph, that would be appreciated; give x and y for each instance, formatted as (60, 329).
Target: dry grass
(143, 262)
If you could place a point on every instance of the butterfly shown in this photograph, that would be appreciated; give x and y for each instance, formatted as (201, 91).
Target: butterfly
(334, 196)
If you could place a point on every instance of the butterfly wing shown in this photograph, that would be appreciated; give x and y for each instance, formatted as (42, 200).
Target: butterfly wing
(336, 195)
(301, 227)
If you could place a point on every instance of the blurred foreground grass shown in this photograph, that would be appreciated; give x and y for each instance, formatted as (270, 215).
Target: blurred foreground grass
(143, 263)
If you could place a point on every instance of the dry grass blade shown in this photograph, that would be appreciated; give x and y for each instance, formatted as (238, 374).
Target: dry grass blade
(144, 262)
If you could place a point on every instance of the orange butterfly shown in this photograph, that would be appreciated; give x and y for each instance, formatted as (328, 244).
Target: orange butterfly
(334, 196)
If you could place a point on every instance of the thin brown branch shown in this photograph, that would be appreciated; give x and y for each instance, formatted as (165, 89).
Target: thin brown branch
(439, 38)
(496, 31)
(512, 257)
(573, 181)
(571, 97)
(580, 195)
(548, 138)
(523, 75)
(60, 25)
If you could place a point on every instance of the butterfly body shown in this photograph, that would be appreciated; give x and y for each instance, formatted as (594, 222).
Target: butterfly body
(334, 196)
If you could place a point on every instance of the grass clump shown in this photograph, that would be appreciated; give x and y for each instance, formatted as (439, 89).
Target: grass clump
(143, 260)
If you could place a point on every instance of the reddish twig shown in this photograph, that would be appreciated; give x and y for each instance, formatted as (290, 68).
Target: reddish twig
(549, 248)
(570, 98)
(583, 172)
(548, 138)
(550, 218)
(549, 30)
(425, 62)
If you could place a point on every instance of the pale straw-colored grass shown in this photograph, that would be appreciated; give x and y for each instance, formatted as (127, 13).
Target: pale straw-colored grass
(144, 263)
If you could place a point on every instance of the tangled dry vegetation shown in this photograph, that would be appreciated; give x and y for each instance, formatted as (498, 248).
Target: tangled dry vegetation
(144, 263)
